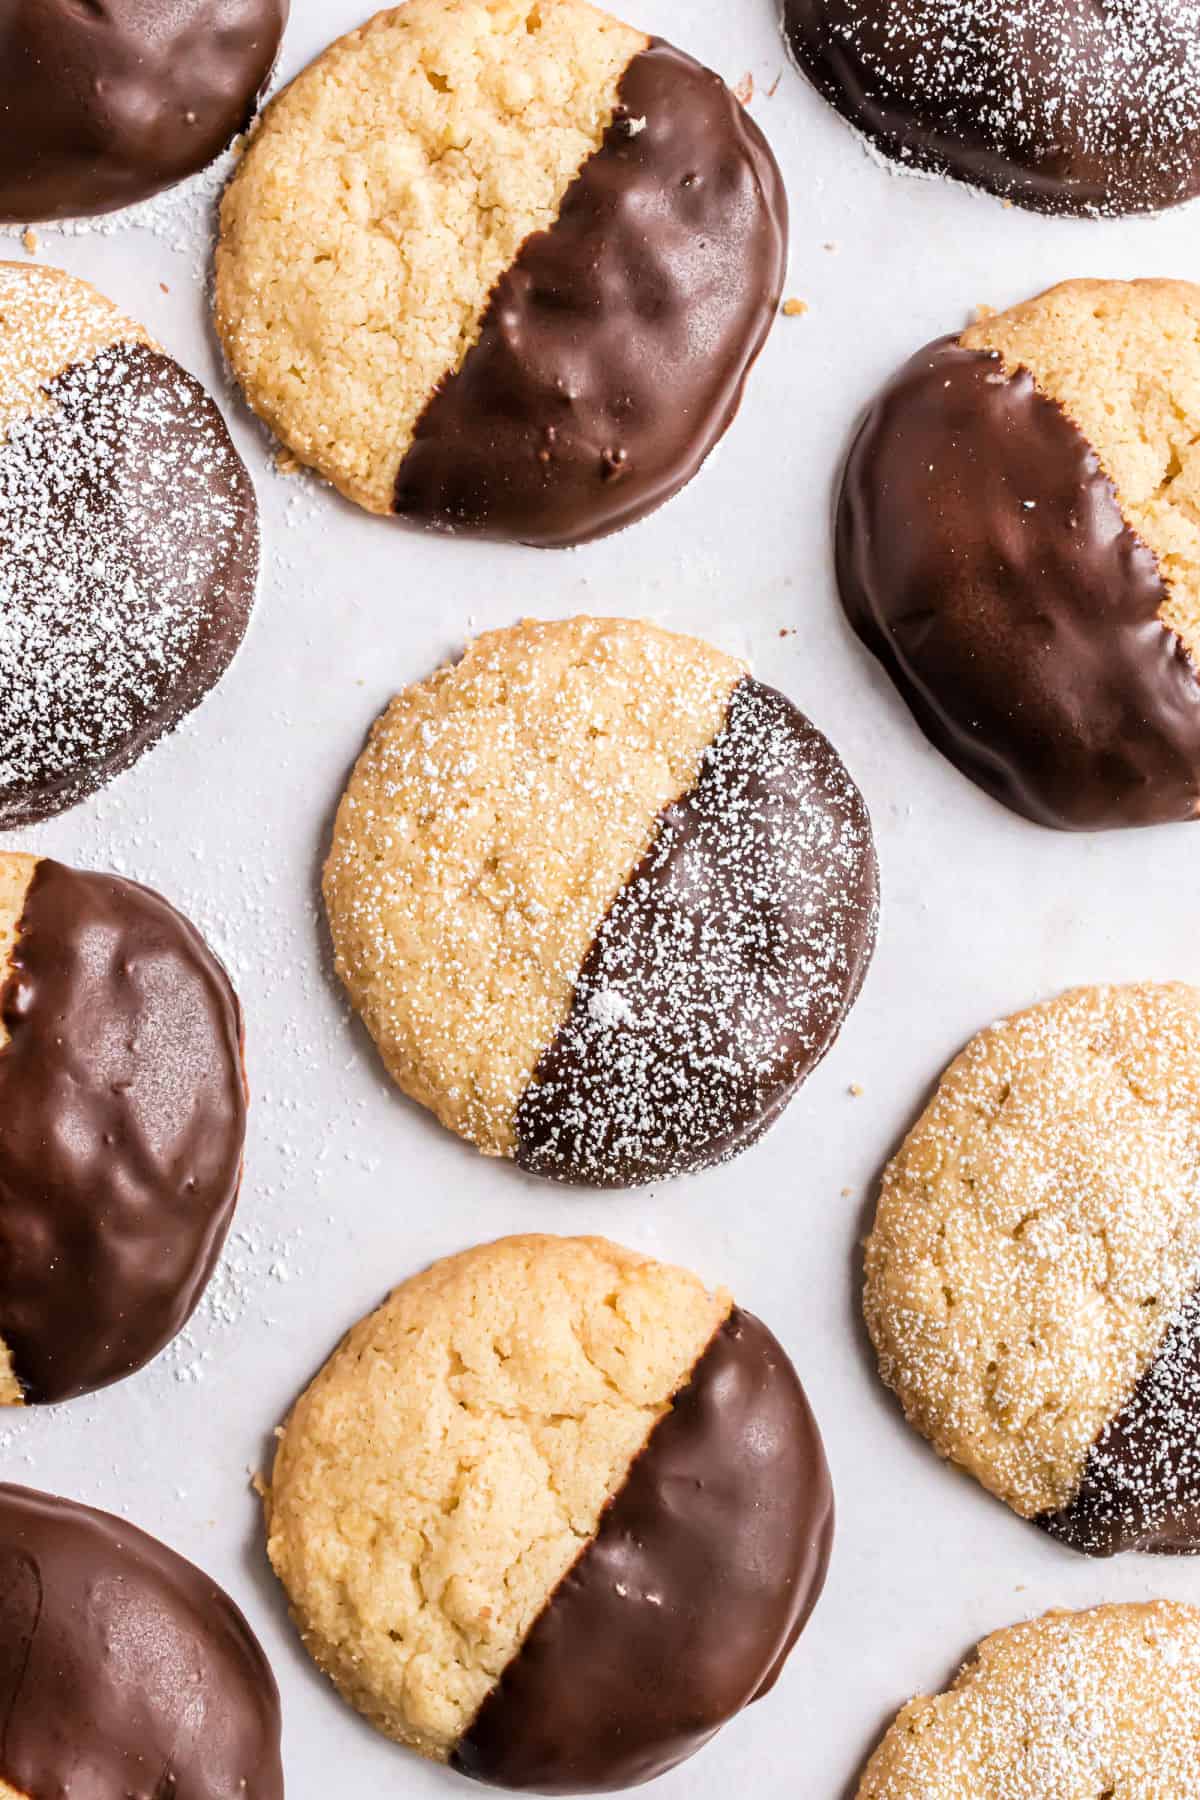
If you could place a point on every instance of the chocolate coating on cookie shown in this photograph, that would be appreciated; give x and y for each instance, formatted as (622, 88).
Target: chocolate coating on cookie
(724, 968)
(983, 556)
(123, 1669)
(1064, 106)
(1140, 1488)
(124, 1114)
(104, 105)
(129, 542)
(682, 1608)
(613, 352)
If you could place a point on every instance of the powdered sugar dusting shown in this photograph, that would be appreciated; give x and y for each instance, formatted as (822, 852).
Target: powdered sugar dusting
(1054, 101)
(723, 969)
(130, 553)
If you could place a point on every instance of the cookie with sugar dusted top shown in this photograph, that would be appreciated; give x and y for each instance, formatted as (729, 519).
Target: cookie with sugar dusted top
(123, 1668)
(1065, 1707)
(122, 1119)
(1064, 106)
(103, 105)
(1017, 542)
(128, 543)
(501, 267)
(552, 1514)
(602, 899)
(1031, 1278)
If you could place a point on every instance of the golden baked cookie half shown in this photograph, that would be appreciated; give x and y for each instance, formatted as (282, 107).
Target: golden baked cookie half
(501, 266)
(552, 1514)
(1031, 1278)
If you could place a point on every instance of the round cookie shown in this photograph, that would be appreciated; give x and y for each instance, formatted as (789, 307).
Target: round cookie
(1070, 1706)
(1063, 106)
(1031, 1275)
(602, 899)
(553, 1514)
(121, 1665)
(104, 105)
(499, 269)
(124, 1113)
(128, 538)
(1017, 541)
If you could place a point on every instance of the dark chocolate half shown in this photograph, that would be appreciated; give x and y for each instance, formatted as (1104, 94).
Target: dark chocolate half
(122, 1119)
(723, 970)
(125, 1673)
(105, 104)
(1064, 106)
(613, 352)
(680, 1611)
(1140, 1488)
(983, 556)
(128, 562)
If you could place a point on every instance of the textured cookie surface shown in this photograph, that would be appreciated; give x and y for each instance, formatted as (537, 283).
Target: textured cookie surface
(485, 315)
(1030, 1274)
(104, 105)
(553, 1513)
(117, 1658)
(601, 899)
(128, 536)
(1018, 543)
(124, 1114)
(1070, 106)
(1070, 1706)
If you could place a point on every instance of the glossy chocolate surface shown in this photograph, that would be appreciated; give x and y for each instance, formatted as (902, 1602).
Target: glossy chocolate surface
(129, 546)
(104, 102)
(1141, 1482)
(122, 1119)
(982, 555)
(724, 968)
(1064, 106)
(125, 1673)
(681, 1610)
(613, 352)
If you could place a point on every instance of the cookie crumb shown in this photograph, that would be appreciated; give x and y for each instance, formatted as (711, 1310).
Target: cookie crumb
(855, 1089)
(744, 91)
(794, 309)
(29, 238)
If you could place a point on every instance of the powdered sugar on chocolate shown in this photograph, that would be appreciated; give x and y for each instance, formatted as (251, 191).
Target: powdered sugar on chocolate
(128, 560)
(723, 969)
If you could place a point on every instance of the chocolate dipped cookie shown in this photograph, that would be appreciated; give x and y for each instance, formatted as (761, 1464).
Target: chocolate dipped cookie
(128, 543)
(1017, 542)
(105, 104)
(501, 269)
(1073, 1705)
(124, 1670)
(122, 1119)
(602, 899)
(1031, 1275)
(552, 1514)
(1064, 106)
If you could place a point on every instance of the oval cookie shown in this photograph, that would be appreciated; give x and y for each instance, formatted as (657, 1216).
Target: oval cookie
(602, 899)
(552, 1514)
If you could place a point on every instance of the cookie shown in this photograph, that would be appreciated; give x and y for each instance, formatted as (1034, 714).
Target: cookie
(553, 1514)
(128, 537)
(602, 899)
(1063, 106)
(104, 105)
(1031, 1275)
(1066, 1707)
(123, 1669)
(501, 269)
(1017, 541)
(123, 1110)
